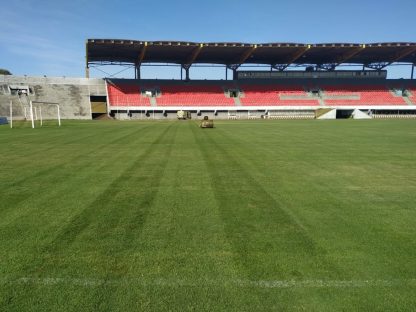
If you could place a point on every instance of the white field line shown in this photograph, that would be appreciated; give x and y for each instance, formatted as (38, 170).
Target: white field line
(91, 282)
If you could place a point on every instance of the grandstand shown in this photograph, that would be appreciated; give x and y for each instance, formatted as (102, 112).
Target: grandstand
(248, 94)
(260, 97)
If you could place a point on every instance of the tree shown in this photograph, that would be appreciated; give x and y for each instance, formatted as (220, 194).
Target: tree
(4, 72)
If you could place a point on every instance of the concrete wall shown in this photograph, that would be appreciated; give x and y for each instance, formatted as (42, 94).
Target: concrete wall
(73, 95)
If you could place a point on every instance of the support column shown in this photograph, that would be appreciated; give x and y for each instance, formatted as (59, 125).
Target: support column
(186, 67)
(137, 71)
(87, 63)
(234, 68)
(187, 73)
(226, 73)
(139, 61)
(181, 73)
(31, 114)
(413, 70)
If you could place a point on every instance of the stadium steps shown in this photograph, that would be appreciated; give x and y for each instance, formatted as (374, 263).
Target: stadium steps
(153, 102)
(237, 101)
(408, 101)
(412, 97)
(405, 98)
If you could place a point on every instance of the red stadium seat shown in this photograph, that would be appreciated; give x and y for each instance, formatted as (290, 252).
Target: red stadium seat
(365, 95)
(129, 94)
(126, 95)
(271, 95)
(193, 95)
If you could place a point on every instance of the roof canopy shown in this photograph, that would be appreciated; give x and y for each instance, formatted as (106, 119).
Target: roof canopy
(376, 55)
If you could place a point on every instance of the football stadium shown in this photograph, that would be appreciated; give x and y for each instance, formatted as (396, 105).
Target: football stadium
(288, 184)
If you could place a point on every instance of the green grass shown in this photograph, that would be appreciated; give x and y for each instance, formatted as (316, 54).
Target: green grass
(249, 216)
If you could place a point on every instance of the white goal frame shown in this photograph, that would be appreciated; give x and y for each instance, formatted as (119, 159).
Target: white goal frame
(34, 107)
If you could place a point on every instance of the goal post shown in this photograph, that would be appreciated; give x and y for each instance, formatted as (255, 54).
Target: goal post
(34, 111)
(39, 104)
(11, 114)
(31, 114)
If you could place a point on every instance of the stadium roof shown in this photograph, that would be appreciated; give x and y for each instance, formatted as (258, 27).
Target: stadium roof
(375, 55)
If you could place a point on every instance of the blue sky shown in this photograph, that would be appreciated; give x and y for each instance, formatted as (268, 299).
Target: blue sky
(48, 37)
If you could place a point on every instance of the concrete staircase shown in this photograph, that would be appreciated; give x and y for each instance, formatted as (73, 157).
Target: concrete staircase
(408, 101)
(237, 101)
(153, 102)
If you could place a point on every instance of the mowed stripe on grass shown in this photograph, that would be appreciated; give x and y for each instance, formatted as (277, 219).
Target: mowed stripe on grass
(292, 215)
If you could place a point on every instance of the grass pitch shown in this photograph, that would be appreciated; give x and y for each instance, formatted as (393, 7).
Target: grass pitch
(249, 216)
